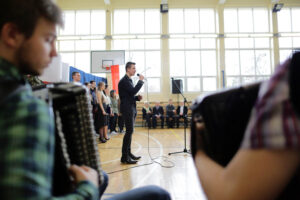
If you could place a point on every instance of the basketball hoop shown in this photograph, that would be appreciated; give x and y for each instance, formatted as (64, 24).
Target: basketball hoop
(106, 68)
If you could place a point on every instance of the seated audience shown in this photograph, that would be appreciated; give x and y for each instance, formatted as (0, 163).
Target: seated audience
(158, 113)
(181, 113)
(269, 154)
(170, 114)
(147, 114)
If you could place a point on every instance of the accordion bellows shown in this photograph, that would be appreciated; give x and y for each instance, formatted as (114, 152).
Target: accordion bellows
(75, 141)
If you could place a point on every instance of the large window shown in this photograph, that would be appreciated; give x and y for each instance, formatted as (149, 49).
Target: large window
(84, 31)
(192, 44)
(137, 31)
(289, 29)
(248, 45)
(136, 21)
(146, 54)
(192, 21)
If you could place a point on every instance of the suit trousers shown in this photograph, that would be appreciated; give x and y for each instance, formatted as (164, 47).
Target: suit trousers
(129, 118)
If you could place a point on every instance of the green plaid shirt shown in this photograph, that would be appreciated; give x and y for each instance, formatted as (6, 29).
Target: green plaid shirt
(27, 145)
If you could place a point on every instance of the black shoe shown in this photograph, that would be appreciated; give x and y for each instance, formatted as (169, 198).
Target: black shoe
(133, 157)
(102, 140)
(128, 160)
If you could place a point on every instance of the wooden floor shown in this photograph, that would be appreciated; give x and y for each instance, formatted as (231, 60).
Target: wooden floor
(180, 180)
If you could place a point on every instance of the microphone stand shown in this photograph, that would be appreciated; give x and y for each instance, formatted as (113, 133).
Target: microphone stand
(185, 125)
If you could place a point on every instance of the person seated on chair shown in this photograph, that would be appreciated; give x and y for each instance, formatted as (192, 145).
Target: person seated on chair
(147, 114)
(182, 111)
(158, 112)
(170, 114)
(269, 156)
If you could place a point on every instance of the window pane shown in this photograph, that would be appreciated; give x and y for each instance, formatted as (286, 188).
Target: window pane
(246, 43)
(82, 45)
(82, 61)
(83, 22)
(296, 42)
(153, 64)
(66, 45)
(262, 43)
(139, 59)
(247, 80)
(121, 44)
(247, 62)
(207, 21)
(231, 43)
(284, 20)
(245, 20)
(209, 84)
(152, 21)
(208, 43)
(153, 85)
(176, 43)
(233, 81)
(261, 22)
(295, 19)
(285, 42)
(69, 26)
(137, 21)
(121, 21)
(284, 54)
(68, 58)
(177, 63)
(208, 61)
(176, 21)
(98, 45)
(230, 20)
(263, 62)
(192, 43)
(192, 60)
(193, 84)
(137, 44)
(98, 24)
(191, 20)
(232, 63)
(152, 43)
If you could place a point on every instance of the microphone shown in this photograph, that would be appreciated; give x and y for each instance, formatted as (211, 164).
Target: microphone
(139, 76)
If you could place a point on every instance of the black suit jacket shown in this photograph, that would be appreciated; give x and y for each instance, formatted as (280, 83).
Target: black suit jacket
(127, 92)
(159, 111)
(185, 110)
(145, 112)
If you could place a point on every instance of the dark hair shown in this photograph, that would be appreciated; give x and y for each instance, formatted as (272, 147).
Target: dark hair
(128, 65)
(92, 81)
(74, 73)
(112, 93)
(25, 14)
(86, 83)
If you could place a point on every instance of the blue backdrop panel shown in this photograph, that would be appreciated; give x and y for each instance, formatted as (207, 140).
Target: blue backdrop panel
(86, 77)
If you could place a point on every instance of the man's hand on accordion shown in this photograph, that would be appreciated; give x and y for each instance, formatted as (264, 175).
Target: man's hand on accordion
(84, 173)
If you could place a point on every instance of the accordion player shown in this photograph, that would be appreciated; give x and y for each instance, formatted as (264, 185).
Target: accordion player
(219, 122)
(74, 134)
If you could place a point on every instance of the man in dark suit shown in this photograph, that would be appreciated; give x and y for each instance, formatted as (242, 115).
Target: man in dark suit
(158, 112)
(181, 113)
(127, 92)
(170, 114)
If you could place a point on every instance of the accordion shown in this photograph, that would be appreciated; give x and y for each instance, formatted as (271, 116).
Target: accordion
(225, 115)
(74, 132)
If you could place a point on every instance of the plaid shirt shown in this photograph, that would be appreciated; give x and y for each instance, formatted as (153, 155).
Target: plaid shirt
(273, 123)
(27, 145)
